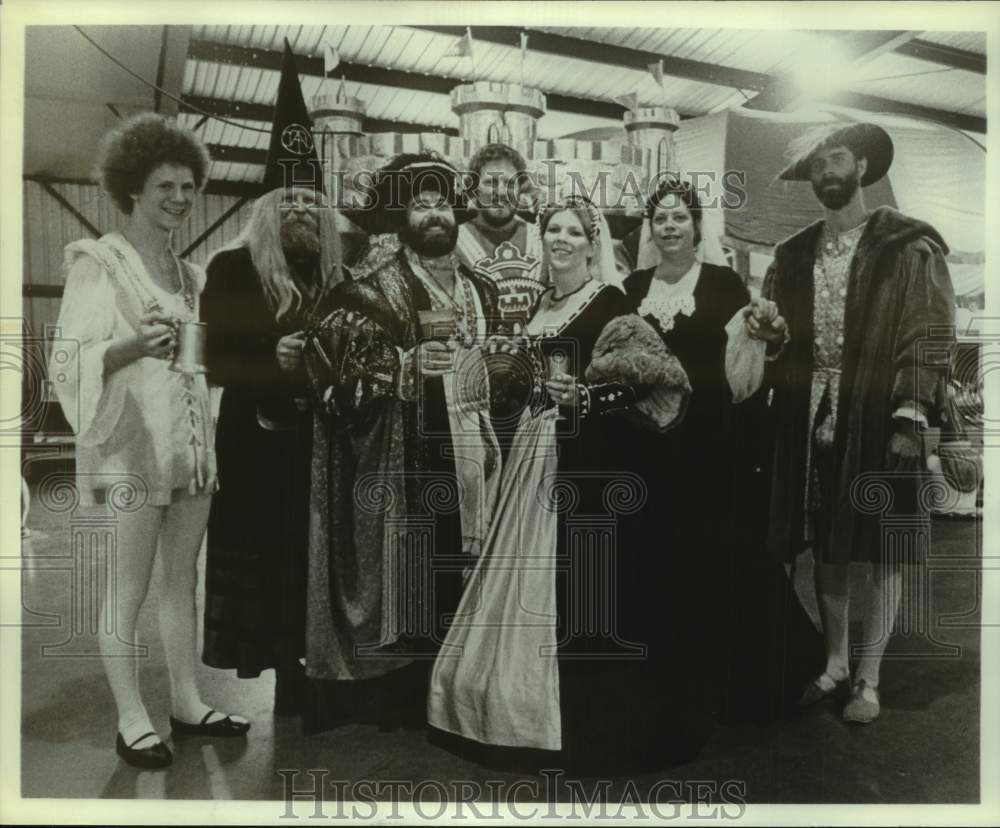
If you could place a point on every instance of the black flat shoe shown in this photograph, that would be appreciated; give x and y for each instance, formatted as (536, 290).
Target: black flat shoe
(223, 728)
(150, 758)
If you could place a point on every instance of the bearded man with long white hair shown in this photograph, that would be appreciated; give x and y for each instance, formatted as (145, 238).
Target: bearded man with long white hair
(264, 290)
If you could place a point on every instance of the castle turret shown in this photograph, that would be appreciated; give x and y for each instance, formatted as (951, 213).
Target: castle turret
(498, 112)
(651, 129)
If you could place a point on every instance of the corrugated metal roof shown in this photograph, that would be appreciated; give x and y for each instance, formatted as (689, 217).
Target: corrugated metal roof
(906, 79)
(407, 49)
(969, 41)
(753, 50)
(417, 51)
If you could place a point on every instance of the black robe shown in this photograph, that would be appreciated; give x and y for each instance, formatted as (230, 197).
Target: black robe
(258, 525)
(690, 471)
(738, 625)
(624, 708)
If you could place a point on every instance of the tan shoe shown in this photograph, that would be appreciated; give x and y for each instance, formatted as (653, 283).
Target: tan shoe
(819, 688)
(864, 706)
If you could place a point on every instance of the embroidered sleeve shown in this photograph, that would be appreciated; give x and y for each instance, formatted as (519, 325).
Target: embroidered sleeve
(352, 365)
(606, 397)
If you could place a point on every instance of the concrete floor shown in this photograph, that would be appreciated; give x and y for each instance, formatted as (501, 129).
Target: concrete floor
(923, 749)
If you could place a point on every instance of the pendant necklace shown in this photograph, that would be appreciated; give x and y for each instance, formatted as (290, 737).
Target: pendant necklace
(836, 244)
(466, 331)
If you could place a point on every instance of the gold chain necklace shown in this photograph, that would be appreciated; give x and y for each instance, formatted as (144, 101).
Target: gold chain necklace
(466, 317)
(432, 272)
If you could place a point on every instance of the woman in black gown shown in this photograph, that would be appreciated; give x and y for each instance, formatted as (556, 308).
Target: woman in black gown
(547, 651)
(740, 626)
(262, 291)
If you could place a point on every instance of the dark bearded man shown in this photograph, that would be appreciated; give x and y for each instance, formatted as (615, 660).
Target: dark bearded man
(859, 355)
(497, 243)
(406, 463)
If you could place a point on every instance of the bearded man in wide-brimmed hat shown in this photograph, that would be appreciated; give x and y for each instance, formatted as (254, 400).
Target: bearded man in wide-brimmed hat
(858, 354)
(405, 461)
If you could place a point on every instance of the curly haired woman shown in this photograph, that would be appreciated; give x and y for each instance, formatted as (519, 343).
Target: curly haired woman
(141, 428)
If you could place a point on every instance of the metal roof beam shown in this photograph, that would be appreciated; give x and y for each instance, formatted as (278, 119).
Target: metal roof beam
(782, 96)
(855, 48)
(871, 103)
(586, 50)
(215, 225)
(69, 208)
(379, 76)
(213, 187)
(860, 47)
(237, 155)
(264, 113)
(863, 46)
(240, 189)
(944, 55)
(170, 70)
(611, 55)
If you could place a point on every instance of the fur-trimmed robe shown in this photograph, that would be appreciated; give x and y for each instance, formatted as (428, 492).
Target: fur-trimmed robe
(381, 470)
(898, 332)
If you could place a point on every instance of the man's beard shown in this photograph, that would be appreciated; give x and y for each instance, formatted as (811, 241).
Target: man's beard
(423, 244)
(496, 214)
(836, 199)
(299, 238)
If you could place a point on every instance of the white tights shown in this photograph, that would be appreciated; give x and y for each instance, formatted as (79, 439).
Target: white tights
(882, 592)
(176, 531)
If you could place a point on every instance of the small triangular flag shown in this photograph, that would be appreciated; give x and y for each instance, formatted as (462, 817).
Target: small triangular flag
(461, 47)
(656, 70)
(629, 101)
(331, 59)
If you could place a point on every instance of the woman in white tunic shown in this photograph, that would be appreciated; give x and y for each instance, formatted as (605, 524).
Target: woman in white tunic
(144, 437)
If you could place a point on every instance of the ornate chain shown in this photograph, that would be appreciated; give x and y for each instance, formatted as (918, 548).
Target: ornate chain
(466, 327)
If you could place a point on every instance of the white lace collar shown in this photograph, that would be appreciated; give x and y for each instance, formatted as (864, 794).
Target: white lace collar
(664, 300)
